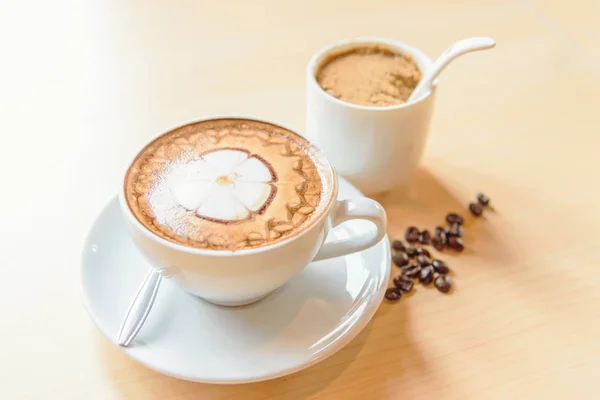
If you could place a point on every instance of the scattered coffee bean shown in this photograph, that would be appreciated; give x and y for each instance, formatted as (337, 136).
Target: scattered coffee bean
(412, 271)
(455, 230)
(400, 259)
(440, 239)
(409, 266)
(393, 294)
(398, 245)
(407, 285)
(424, 268)
(443, 283)
(412, 234)
(397, 280)
(436, 241)
(422, 251)
(423, 260)
(425, 237)
(412, 252)
(404, 284)
(483, 199)
(439, 230)
(454, 218)
(426, 275)
(476, 209)
(444, 237)
(456, 243)
(440, 266)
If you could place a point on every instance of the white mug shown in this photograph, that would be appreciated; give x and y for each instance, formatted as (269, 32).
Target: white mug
(375, 148)
(240, 277)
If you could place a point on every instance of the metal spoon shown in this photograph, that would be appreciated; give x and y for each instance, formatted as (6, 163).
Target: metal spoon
(139, 308)
(455, 50)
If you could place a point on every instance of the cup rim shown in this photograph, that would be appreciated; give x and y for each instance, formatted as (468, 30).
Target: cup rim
(422, 60)
(228, 253)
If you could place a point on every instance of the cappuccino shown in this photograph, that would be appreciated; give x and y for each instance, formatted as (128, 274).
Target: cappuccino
(228, 184)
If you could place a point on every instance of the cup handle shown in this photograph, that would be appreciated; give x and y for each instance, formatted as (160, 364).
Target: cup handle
(359, 208)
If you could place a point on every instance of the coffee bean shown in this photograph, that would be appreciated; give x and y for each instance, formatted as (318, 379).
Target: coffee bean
(443, 283)
(402, 283)
(393, 294)
(407, 285)
(412, 252)
(483, 199)
(425, 237)
(426, 275)
(400, 259)
(436, 241)
(423, 260)
(397, 280)
(443, 237)
(439, 230)
(476, 209)
(422, 251)
(409, 266)
(454, 218)
(440, 266)
(412, 234)
(456, 243)
(398, 245)
(440, 239)
(411, 271)
(455, 230)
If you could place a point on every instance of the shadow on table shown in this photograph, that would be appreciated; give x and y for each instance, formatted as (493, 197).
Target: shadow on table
(425, 204)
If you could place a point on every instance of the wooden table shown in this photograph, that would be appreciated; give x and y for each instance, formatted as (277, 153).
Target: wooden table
(84, 83)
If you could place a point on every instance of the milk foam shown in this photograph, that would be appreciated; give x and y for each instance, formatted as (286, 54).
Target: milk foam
(222, 186)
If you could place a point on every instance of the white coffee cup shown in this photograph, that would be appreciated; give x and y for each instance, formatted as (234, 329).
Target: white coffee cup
(243, 276)
(375, 148)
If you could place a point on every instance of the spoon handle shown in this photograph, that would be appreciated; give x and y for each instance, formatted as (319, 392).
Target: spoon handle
(139, 308)
(455, 50)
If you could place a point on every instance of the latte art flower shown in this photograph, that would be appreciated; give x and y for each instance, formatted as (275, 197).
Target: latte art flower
(224, 185)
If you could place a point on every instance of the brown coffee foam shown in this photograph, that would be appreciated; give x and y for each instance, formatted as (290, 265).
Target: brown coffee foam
(371, 75)
(304, 185)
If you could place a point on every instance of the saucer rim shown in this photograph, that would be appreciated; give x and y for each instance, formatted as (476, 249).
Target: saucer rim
(344, 339)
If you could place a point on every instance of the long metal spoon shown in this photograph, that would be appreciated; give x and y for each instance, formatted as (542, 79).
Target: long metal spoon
(139, 308)
(455, 50)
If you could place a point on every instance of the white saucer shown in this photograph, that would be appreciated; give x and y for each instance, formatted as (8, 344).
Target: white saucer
(309, 319)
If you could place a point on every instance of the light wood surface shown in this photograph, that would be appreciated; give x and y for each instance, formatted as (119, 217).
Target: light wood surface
(83, 83)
